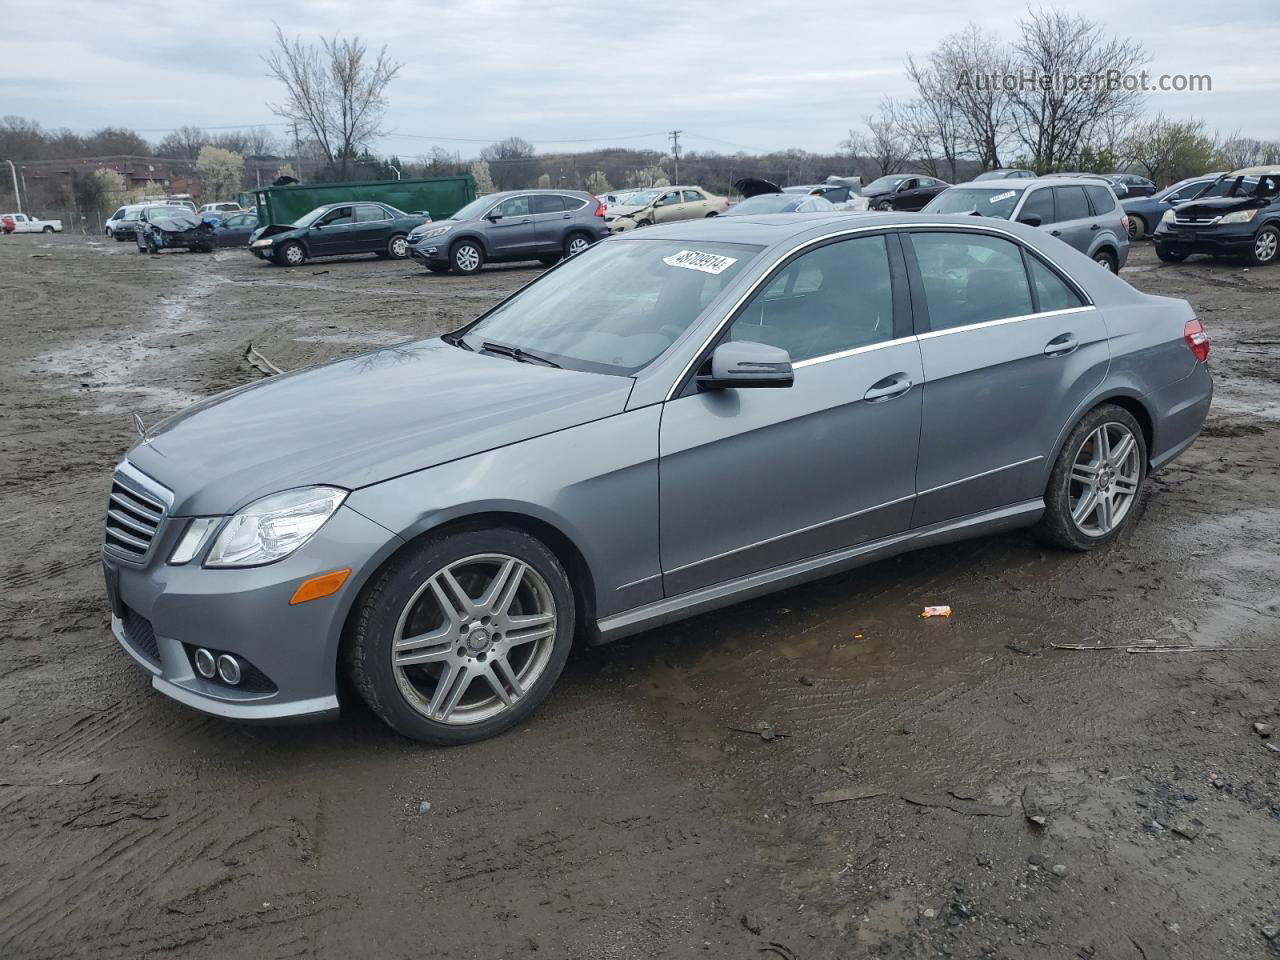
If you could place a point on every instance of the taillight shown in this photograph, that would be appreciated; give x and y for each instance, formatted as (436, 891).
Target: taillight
(599, 208)
(1197, 340)
(1124, 222)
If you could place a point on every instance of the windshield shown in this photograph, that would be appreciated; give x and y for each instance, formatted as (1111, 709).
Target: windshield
(615, 307)
(640, 198)
(766, 203)
(308, 219)
(987, 203)
(882, 184)
(475, 208)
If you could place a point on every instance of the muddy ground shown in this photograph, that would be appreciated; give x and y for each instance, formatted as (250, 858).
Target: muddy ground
(629, 819)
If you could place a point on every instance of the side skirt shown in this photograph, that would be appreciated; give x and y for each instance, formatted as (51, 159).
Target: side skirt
(718, 595)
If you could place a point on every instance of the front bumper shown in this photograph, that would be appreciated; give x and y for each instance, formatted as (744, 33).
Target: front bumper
(1232, 239)
(162, 613)
(433, 250)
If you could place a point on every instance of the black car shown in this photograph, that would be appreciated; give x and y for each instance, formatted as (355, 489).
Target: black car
(1145, 212)
(1134, 185)
(902, 191)
(1244, 221)
(232, 229)
(337, 229)
(173, 228)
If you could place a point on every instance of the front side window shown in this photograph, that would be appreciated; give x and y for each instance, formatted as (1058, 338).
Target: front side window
(617, 306)
(971, 278)
(337, 217)
(119, 214)
(668, 199)
(835, 298)
(1039, 204)
(515, 207)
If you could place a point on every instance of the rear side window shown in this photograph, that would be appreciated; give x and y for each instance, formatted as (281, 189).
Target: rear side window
(543, 203)
(369, 212)
(971, 278)
(832, 299)
(573, 203)
(1100, 197)
(1051, 291)
(1072, 203)
(1040, 204)
(691, 195)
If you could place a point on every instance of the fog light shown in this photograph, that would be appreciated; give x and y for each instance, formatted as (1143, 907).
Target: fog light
(229, 669)
(204, 664)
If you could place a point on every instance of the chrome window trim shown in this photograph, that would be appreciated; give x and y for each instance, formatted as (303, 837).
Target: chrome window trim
(930, 334)
(853, 351)
(897, 226)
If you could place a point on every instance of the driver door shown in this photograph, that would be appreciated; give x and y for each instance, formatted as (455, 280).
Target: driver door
(334, 235)
(752, 478)
(668, 207)
(513, 232)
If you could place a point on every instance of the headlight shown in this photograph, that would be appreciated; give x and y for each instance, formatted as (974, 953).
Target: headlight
(1168, 216)
(263, 243)
(429, 232)
(272, 528)
(1239, 216)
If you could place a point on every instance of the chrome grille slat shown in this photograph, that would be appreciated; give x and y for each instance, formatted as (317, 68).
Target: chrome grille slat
(136, 509)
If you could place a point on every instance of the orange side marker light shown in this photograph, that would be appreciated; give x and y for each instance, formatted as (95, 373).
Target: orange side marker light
(324, 585)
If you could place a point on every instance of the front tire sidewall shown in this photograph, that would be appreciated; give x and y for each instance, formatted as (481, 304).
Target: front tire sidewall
(372, 631)
(291, 254)
(398, 247)
(466, 271)
(1056, 526)
(1253, 257)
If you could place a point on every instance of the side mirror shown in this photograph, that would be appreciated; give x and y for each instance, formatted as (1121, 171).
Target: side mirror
(1031, 220)
(493, 216)
(743, 363)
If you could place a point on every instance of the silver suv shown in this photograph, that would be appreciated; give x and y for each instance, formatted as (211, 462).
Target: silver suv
(1082, 213)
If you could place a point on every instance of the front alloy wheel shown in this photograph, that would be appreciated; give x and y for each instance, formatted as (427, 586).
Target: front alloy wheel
(1266, 245)
(463, 636)
(467, 258)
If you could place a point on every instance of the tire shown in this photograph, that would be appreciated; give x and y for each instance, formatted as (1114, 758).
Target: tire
(575, 243)
(404, 600)
(466, 257)
(291, 254)
(884, 205)
(550, 261)
(398, 247)
(1137, 227)
(643, 223)
(1169, 256)
(437, 268)
(1266, 246)
(1107, 260)
(710, 215)
(47, 230)
(1113, 473)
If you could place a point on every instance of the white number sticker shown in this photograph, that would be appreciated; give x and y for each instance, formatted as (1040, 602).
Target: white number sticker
(1003, 196)
(696, 260)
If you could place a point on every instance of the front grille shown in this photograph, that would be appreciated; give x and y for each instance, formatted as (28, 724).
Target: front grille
(1196, 221)
(134, 515)
(140, 634)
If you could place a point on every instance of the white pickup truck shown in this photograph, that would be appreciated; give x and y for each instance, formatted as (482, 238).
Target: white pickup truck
(25, 224)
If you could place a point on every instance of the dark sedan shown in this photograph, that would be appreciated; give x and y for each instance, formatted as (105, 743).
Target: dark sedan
(337, 229)
(232, 229)
(902, 191)
(1145, 212)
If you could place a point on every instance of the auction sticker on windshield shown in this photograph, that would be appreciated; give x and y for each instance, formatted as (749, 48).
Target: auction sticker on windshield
(696, 260)
(1003, 196)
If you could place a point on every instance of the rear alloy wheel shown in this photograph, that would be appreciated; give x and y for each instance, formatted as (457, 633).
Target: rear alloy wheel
(1137, 227)
(1265, 246)
(398, 247)
(291, 254)
(466, 257)
(1105, 259)
(464, 636)
(1097, 481)
(575, 243)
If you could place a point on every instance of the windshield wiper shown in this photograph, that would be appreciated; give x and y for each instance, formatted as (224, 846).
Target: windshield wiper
(517, 354)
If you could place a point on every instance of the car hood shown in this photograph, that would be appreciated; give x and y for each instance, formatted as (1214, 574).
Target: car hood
(1217, 206)
(362, 420)
(275, 229)
(754, 186)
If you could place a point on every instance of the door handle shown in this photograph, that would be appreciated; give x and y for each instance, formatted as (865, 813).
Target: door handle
(1095, 227)
(888, 388)
(1061, 345)
(1055, 233)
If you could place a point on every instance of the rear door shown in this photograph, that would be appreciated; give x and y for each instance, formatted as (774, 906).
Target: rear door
(513, 234)
(372, 228)
(755, 478)
(1010, 349)
(1075, 218)
(696, 204)
(550, 220)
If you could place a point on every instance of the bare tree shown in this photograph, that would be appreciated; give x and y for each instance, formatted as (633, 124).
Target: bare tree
(332, 92)
(933, 123)
(962, 68)
(512, 161)
(1238, 151)
(883, 143)
(1168, 150)
(183, 143)
(250, 142)
(1071, 83)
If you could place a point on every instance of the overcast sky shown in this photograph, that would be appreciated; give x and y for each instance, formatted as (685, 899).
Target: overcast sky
(753, 75)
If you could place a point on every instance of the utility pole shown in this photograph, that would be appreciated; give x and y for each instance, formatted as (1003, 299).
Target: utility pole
(675, 152)
(297, 151)
(17, 197)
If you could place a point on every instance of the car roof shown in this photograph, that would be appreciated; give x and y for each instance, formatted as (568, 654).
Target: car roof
(1266, 170)
(999, 183)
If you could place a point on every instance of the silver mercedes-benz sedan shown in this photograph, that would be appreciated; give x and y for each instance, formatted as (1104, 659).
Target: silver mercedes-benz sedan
(669, 422)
